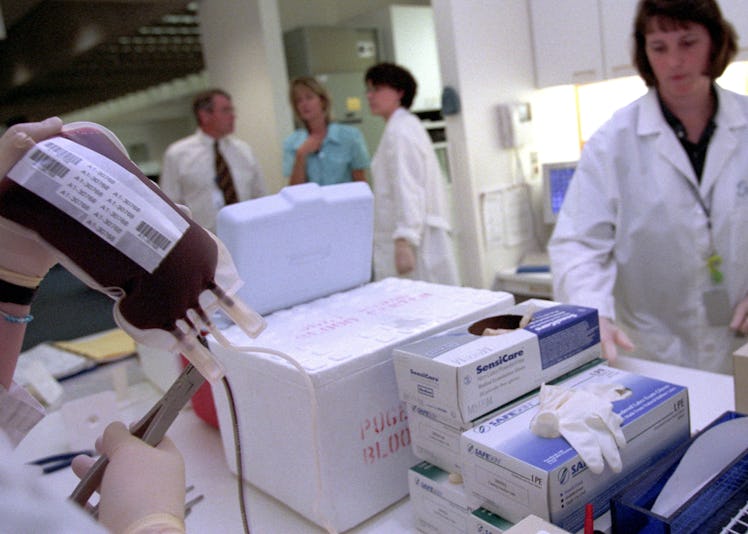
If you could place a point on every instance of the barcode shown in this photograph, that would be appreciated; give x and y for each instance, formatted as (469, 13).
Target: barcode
(49, 164)
(153, 236)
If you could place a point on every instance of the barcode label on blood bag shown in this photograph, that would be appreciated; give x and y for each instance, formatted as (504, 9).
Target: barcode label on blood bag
(153, 236)
(103, 196)
(50, 165)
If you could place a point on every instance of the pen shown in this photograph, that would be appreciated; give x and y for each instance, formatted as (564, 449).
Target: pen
(55, 462)
(589, 519)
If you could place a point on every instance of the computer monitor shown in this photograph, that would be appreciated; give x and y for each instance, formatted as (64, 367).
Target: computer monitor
(556, 178)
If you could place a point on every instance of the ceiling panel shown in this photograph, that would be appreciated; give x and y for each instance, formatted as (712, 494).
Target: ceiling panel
(62, 55)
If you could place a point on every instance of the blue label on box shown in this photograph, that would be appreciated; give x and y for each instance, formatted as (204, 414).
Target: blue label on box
(563, 331)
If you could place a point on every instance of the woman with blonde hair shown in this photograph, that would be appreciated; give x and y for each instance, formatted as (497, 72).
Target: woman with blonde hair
(322, 151)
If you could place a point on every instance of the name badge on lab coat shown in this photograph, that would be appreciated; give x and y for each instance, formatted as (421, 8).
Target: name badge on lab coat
(717, 305)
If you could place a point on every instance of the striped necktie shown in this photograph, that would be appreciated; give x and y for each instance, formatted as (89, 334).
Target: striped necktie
(223, 177)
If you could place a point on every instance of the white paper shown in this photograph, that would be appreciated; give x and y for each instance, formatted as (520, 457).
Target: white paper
(707, 456)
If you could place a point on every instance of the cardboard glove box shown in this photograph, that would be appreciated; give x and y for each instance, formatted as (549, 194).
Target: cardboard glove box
(460, 375)
(510, 471)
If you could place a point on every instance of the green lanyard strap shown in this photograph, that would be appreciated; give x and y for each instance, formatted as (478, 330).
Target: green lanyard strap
(714, 262)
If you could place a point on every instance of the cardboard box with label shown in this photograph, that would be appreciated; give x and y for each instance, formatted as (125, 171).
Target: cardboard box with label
(482, 521)
(436, 441)
(439, 502)
(512, 472)
(462, 374)
(348, 459)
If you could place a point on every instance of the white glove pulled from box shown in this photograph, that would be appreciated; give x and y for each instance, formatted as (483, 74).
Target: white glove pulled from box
(585, 418)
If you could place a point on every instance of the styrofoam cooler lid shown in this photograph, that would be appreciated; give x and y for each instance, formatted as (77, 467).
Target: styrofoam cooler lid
(303, 243)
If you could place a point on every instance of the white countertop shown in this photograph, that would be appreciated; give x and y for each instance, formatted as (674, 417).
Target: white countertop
(710, 395)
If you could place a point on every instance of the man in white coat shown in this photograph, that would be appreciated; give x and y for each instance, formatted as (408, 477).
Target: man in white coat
(653, 231)
(411, 222)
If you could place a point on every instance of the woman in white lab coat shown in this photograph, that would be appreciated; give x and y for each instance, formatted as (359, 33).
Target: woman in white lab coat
(653, 231)
(411, 221)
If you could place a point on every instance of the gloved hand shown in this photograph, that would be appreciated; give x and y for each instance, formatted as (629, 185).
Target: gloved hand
(20, 137)
(612, 337)
(405, 256)
(585, 418)
(23, 260)
(143, 486)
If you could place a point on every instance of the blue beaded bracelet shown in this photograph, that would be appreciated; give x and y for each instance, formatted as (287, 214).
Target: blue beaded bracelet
(17, 319)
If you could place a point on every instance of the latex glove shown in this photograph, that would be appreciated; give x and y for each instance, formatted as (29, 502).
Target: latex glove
(405, 256)
(612, 337)
(23, 260)
(585, 418)
(20, 137)
(143, 486)
(739, 322)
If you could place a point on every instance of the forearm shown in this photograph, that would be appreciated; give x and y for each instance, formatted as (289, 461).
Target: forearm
(298, 173)
(11, 332)
(358, 175)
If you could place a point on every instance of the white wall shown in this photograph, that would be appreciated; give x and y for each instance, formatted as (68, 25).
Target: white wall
(485, 54)
(296, 13)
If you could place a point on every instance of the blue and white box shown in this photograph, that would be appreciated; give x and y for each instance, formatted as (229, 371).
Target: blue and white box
(460, 375)
(510, 471)
(436, 441)
(482, 521)
(439, 501)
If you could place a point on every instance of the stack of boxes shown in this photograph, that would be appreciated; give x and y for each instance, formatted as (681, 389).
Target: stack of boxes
(330, 426)
(470, 401)
(321, 424)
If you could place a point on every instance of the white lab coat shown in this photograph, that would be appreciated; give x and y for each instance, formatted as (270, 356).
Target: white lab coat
(26, 503)
(410, 202)
(632, 239)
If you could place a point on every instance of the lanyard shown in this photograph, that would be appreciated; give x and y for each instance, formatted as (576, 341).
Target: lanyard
(714, 261)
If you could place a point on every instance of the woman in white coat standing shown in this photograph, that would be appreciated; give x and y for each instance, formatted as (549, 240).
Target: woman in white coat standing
(411, 217)
(653, 231)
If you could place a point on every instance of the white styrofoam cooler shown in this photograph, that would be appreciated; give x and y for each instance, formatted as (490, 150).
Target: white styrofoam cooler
(344, 343)
(303, 243)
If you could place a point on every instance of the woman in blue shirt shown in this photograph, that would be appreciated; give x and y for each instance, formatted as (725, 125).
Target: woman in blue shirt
(323, 151)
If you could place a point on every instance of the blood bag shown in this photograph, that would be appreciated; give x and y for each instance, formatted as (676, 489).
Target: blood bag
(113, 228)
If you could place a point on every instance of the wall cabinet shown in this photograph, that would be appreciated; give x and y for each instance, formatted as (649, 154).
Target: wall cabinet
(736, 11)
(617, 26)
(407, 36)
(581, 41)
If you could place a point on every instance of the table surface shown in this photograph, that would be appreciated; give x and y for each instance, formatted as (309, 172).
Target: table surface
(528, 284)
(710, 395)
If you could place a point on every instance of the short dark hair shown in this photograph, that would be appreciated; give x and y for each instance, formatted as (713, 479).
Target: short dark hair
(396, 77)
(678, 14)
(204, 100)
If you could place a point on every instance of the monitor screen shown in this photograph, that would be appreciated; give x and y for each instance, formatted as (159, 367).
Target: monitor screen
(556, 178)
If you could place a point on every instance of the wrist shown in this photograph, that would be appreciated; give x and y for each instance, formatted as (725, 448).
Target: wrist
(157, 523)
(16, 319)
(17, 294)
